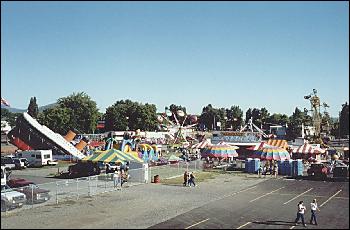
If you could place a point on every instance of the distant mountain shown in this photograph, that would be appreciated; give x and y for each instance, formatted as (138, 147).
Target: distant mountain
(15, 110)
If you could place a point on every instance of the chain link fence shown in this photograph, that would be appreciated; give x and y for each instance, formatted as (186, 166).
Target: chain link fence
(52, 193)
(74, 189)
(175, 169)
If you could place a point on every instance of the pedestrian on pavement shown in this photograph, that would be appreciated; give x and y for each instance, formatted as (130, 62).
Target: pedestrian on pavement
(313, 211)
(260, 171)
(185, 179)
(116, 178)
(300, 213)
(191, 180)
(276, 170)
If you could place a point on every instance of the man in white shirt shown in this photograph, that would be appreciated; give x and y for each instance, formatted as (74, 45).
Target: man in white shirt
(313, 211)
(300, 213)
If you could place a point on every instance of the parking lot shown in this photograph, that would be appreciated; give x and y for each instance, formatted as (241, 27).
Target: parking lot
(271, 204)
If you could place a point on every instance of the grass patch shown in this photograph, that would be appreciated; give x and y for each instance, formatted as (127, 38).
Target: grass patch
(200, 177)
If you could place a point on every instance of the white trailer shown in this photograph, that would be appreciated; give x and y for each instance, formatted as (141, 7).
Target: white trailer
(37, 158)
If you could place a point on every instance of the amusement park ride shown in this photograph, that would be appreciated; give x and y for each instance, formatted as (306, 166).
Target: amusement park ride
(315, 111)
(177, 130)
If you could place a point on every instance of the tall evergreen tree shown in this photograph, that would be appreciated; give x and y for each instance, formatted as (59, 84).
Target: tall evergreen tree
(33, 109)
(344, 120)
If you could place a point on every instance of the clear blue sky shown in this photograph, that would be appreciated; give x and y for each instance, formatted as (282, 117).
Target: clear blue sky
(251, 54)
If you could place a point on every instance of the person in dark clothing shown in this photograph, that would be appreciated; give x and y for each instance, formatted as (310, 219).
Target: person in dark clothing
(185, 179)
(191, 180)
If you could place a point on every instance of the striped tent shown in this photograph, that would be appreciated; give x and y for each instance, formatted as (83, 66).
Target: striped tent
(220, 151)
(112, 155)
(201, 145)
(308, 149)
(278, 143)
(258, 146)
(273, 153)
(223, 143)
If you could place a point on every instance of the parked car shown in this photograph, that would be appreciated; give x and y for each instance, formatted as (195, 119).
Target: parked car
(30, 189)
(34, 193)
(25, 161)
(318, 170)
(19, 164)
(83, 169)
(18, 182)
(8, 162)
(11, 199)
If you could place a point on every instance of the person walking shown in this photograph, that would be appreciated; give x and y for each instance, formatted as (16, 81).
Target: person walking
(314, 208)
(300, 213)
(116, 177)
(276, 170)
(191, 180)
(185, 179)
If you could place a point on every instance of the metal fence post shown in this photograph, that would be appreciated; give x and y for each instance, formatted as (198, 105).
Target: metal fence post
(32, 196)
(105, 182)
(56, 193)
(96, 182)
(77, 189)
(89, 193)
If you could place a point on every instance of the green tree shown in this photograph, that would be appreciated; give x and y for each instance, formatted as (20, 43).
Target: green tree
(344, 120)
(76, 112)
(295, 122)
(234, 117)
(33, 109)
(131, 115)
(248, 115)
(83, 112)
(57, 119)
(278, 119)
(208, 116)
(8, 116)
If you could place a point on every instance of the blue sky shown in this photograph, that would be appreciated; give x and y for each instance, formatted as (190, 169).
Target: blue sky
(251, 54)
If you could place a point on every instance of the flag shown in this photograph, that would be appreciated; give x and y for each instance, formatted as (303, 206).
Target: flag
(4, 102)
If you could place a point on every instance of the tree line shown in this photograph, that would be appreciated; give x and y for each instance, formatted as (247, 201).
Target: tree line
(78, 112)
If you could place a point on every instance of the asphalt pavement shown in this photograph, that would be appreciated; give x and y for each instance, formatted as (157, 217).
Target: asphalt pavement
(270, 205)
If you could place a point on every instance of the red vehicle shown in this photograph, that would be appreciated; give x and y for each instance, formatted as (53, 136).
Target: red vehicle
(30, 189)
(19, 182)
(318, 170)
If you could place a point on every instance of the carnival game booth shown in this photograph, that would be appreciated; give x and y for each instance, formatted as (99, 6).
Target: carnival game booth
(308, 152)
(266, 156)
(114, 156)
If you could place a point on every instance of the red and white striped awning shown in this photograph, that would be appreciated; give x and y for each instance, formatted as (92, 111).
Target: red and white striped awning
(308, 149)
(258, 146)
(202, 144)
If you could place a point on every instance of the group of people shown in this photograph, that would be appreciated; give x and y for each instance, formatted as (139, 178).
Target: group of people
(301, 212)
(271, 167)
(120, 177)
(189, 179)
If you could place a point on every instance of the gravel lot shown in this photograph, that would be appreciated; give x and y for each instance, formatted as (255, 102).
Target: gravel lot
(139, 206)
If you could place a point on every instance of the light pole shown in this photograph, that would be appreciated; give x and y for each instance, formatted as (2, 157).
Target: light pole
(127, 125)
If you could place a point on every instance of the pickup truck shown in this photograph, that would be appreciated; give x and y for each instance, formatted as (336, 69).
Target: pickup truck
(33, 193)
(11, 199)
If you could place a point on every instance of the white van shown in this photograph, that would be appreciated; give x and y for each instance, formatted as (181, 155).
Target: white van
(37, 158)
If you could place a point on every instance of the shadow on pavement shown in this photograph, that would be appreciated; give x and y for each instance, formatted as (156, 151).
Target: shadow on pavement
(275, 222)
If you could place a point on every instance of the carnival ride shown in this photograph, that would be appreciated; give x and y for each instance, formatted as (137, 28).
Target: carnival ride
(250, 126)
(131, 145)
(177, 128)
(29, 134)
(316, 114)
